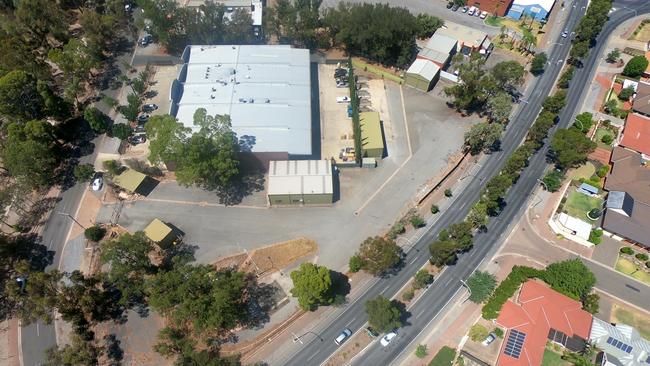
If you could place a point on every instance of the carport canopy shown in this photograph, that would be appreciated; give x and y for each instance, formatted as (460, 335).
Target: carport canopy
(130, 180)
(157, 231)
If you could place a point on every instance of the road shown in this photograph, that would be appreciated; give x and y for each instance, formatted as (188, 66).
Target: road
(447, 284)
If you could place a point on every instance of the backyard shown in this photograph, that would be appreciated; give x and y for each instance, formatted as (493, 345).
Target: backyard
(552, 358)
(578, 204)
(632, 317)
(585, 171)
(628, 267)
(600, 132)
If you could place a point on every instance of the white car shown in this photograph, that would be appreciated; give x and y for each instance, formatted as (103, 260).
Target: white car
(471, 11)
(343, 336)
(343, 99)
(97, 184)
(484, 14)
(385, 340)
(489, 339)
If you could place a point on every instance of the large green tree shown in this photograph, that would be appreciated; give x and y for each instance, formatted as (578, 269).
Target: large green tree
(443, 252)
(570, 277)
(312, 285)
(97, 119)
(167, 136)
(570, 148)
(483, 136)
(481, 285)
(379, 255)
(636, 66)
(383, 314)
(19, 97)
(508, 74)
(426, 25)
(499, 107)
(538, 63)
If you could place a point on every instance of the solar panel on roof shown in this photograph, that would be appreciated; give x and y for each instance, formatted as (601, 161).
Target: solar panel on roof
(610, 340)
(514, 343)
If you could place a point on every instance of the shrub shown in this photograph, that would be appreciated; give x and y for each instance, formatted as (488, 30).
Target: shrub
(422, 278)
(444, 357)
(481, 285)
(84, 172)
(417, 221)
(396, 230)
(566, 77)
(627, 250)
(641, 256)
(595, 236)
(553, 180)
(626, 93)
(355, 263)
(408, 295)
(421, 351)
(602, 171)
(435, 209)
(647, 264)
(607, 139)
(507, 288)
(498, 332)
(95, 233)
(635, 67)
(448, 193)
(113, 168)
(478, 333)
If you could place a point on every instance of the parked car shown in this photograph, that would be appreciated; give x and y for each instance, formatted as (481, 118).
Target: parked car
(371, 332)
(345, 334)
(137, 139)
(343, 99)
(471, 11)
(143, 118)
(146, 40)
(139, 128)
(149, 107)
(385, 340)
(489, 339)
(455, 7)
(341, 84)
(97, 183)
(340, 73)
(465, 8)
(478, 12)
(484, 14)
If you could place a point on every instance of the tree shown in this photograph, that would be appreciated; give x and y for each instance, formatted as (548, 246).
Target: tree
(422, 279)
(121, 131)
(565, 78)
(471, 93)
(611, 106)
(19, 97)
(443, 253)
(584, 121)
(95, 233)
(508, 74)
(553, 180)
(590, 303)
(538, 64)
(570, 277)
(112, 167)
(477, 333)
(499, 107)
(167, 136)
(131, 110)
(570, 147)
(383, 315)
(77, 353)
(460, 232)
(379, 255)
(76, 61)
(636, 66)
(97, 120)
(483, 137)
(84, 172)
(556, 102)
(312, 285)
(426, 25)
(355, 263)
(626, 93)
(613, 56)
(421, 351)
(211, 300)
(481, 285)
(417, 221)
(478, 215)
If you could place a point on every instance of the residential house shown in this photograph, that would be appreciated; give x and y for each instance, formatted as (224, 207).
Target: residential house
(494, 7)
(636, 134)
(642, 99)
(627, 212)
(619, 345)
(539, 315)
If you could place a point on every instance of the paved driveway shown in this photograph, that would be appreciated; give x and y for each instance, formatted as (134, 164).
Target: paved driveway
(371, 199)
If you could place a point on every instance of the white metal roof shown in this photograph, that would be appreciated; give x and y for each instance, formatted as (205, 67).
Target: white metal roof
(544, 4)
(441, 43)
(266, 90)
(424, 68)
(300, 177)
(601, 331)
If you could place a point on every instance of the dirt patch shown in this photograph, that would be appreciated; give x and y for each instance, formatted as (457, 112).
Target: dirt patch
(349, 349)
(270, 258)
(630, 316)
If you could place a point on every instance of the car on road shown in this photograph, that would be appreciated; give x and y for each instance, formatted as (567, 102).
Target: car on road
(465, 8)
(143, 118)
(484, 14)
(455, 7)
(145, 40)
(565, 33)
(149, 107)
(471, 11)
(97, 183)
(345, 334)
(385, 340)
(343, 99)
(489, 339)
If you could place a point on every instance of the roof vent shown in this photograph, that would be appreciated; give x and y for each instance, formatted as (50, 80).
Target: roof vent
(267, 100)
(251, 100)
(214, 89)
(212, 96)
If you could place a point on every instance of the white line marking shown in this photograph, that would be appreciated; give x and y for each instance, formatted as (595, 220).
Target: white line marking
(350, 322)
(312, 356)
(38, 334)
(414, 259)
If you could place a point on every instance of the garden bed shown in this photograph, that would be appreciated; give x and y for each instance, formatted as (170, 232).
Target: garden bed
(628, 267)
(578, 204)
(600, 133)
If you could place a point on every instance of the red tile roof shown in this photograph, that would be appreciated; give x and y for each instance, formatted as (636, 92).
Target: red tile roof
(537, 310)
(636, 134)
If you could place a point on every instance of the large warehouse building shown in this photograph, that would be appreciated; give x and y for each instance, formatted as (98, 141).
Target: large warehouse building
(298, 182)
(266, 90)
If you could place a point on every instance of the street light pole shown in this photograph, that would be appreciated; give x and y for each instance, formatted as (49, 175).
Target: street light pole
(72, 218)
(468, 289)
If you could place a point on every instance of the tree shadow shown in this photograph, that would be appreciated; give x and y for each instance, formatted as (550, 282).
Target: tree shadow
(35, 215)
(263, 299)
(240, 187)
(340, 287)
(114, 352)
(404, 314)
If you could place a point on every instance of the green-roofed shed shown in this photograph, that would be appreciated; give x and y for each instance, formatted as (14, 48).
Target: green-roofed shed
(372, 141)
(130, 180)
(159, 232)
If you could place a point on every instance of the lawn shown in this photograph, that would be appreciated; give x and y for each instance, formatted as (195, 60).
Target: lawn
(493, 21)
(632, 317)
(578, 204)
(627, 267)
(553, 359)
(585, 171)
(444, 357)
(377, 70)
(600, 132)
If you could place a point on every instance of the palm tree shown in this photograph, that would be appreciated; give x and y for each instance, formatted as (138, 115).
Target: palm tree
(504, 29)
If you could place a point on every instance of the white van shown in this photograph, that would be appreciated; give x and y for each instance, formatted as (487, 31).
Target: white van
(471, 10)
(343, 336)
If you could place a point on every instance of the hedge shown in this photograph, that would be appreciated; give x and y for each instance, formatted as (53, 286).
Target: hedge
(507, 288)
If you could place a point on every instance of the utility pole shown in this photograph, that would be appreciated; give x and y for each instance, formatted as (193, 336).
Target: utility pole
(71, 218)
